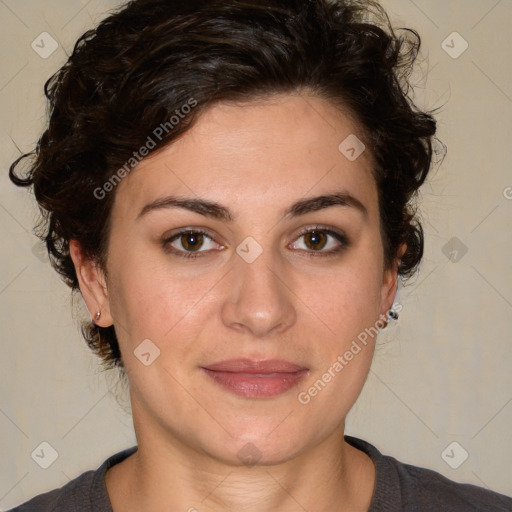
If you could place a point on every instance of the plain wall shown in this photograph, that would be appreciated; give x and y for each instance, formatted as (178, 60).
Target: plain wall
(441, 373)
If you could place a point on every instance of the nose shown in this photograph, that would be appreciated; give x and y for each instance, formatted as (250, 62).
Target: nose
(260, 301)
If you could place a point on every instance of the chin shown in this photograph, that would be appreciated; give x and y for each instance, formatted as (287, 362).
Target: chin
(262, 447)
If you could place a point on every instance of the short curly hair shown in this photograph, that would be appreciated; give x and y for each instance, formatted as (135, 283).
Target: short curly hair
(145, 62)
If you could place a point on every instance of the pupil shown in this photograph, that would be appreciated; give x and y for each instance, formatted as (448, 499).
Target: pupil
(192, 241)
(316, 237)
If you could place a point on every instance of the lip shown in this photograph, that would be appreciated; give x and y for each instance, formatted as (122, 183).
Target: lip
(256, 379)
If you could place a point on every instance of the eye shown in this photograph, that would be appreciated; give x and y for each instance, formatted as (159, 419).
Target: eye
(187, 242)
(318, 241)
(323, 241)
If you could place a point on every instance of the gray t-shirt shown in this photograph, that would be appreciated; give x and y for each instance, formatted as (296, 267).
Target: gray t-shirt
(398, 488)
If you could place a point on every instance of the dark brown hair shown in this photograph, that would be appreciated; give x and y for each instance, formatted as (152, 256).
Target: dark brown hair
(131, 78)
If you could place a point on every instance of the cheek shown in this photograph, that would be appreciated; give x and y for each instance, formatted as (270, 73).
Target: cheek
(348, 298)
(342, 356)
(150, 301)
(348, 304)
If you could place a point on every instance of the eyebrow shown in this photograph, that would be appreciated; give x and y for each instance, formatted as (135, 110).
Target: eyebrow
(216, 211)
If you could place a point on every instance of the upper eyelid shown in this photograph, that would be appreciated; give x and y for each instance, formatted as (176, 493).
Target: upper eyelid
(320, 227)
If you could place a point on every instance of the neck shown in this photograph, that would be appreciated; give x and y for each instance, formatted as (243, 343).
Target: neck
(169, 475)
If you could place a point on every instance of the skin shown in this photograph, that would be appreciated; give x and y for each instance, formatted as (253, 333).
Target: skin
(291, 303)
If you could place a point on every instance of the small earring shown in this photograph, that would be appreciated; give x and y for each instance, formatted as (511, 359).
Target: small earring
(392, 314)
(97, 317)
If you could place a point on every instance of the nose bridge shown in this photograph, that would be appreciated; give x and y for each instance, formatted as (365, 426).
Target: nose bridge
(260, 300)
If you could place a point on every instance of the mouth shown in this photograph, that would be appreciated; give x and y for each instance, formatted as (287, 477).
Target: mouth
(256, 379)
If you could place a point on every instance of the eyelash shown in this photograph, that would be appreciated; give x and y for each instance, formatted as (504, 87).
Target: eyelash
(341, 237)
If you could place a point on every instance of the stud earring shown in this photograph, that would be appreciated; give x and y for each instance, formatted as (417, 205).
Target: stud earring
(392, 314)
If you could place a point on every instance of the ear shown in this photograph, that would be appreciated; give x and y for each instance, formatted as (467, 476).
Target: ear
(93, 286)
(389, 283)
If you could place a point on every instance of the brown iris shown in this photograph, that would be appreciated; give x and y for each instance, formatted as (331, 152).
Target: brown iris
(315, 239)
(192, 241)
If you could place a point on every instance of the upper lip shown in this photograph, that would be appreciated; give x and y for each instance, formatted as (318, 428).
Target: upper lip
(251, 366)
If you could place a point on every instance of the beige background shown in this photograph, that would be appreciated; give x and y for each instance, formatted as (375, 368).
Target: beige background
(441, 373)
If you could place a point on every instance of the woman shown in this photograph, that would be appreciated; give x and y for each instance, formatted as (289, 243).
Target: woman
(228, 185)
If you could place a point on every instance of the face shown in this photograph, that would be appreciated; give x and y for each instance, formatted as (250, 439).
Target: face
(266, 272)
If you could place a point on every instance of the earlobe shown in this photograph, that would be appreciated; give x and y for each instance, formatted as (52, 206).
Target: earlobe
(93, 287)
(390, 285)
(389, 289)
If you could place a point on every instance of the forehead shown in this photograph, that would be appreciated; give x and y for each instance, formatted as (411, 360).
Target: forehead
(254, 155)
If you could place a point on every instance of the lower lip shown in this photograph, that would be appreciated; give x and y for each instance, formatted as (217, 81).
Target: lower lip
(256, 385)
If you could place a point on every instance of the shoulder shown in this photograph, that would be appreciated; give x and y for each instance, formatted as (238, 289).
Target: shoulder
(70, 495)
(85, 493)
(430, 487)
(404, 487)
